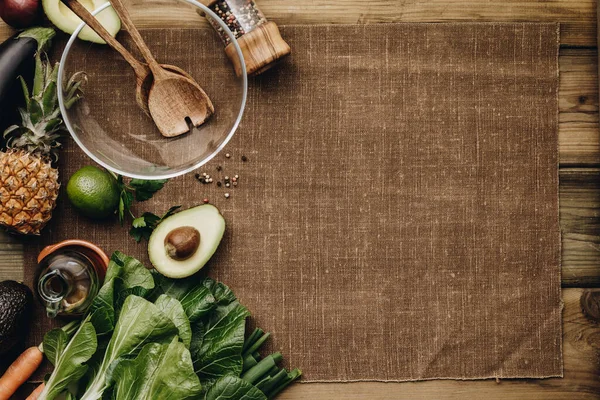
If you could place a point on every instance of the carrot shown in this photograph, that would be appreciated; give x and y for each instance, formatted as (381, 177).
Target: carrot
(19, 371)
(36, 393)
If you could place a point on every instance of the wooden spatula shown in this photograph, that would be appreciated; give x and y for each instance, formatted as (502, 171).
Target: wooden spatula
(176, 102)
(143, 74)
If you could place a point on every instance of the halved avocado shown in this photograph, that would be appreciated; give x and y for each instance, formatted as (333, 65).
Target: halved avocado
(183, 243)
(67, 21)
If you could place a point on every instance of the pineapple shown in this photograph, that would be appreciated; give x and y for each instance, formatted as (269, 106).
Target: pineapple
(28, 181)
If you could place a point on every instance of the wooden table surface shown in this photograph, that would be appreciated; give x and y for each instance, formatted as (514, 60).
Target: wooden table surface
(579, 178)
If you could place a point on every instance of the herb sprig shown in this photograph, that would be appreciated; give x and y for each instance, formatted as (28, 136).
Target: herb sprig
(138, 189)
(143, 226)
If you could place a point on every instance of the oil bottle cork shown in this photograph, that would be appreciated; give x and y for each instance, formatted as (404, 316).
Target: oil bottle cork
(259, 39)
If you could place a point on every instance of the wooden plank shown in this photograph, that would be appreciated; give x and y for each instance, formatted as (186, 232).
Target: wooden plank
(11, 257)
(577, 17)
(581, 381)
(579, 138)
(580, 225)
(582, 374)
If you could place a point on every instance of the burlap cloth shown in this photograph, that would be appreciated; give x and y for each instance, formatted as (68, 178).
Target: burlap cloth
(397, 218)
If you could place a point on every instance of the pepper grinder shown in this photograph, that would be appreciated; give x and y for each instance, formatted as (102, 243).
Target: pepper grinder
(259, 39)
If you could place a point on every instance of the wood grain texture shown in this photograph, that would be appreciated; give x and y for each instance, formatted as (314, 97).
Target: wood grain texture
(262, 48)
(576, 16)
(580, 225)
(579, 141)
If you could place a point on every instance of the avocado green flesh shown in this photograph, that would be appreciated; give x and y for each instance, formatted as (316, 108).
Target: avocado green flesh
(67, 21)
(207, 220)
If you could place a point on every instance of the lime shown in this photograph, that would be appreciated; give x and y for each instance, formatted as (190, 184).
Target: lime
(93, 192)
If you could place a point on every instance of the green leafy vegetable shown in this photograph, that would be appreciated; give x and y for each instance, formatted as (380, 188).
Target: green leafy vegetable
(123, 276)
(142, 227)
(173, 309)
(220, 350)
(150, 337)
(232, 387)
(68, 357)
(195, 296)
(140, 322)
(159, 372)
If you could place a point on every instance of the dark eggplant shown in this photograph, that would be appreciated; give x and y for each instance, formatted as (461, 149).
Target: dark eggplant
(17, 59)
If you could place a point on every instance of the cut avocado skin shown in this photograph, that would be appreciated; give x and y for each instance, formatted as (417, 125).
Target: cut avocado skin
(207, 220)
(15, 312)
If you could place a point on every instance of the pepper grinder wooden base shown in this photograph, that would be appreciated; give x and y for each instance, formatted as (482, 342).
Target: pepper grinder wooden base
(262, 48)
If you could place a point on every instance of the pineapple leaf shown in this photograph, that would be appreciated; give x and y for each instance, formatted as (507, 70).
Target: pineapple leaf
(53, 125)
(72, 90)
(48, 71)
(25, 90)
(50, 98)
(38, 78)
(25, 118)
(10, 130)
(72, 101)
(35, 111)
(77, 77)
(74, 86)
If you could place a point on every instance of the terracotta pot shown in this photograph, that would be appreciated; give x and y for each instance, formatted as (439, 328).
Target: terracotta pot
(95, 253)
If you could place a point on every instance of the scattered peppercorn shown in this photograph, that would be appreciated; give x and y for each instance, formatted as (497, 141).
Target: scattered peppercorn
(219, 168)
(244, 158)
(219, 183)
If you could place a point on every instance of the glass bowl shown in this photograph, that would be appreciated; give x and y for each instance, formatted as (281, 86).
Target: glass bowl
(113, 131)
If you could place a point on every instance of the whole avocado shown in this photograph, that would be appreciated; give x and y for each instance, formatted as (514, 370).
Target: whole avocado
(15, 311)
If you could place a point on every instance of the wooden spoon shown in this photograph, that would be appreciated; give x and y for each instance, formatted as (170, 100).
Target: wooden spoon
(143, 75)
(176, 103)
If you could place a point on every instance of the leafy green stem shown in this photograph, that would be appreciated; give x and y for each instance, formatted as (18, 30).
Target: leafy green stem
(292, 376)
(252, 338)
(255, 373)
(256, 345)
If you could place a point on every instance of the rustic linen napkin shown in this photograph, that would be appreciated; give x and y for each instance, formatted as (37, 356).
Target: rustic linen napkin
(397, 215)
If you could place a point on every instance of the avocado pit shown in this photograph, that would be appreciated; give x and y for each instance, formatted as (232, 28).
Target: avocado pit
(182, 243)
